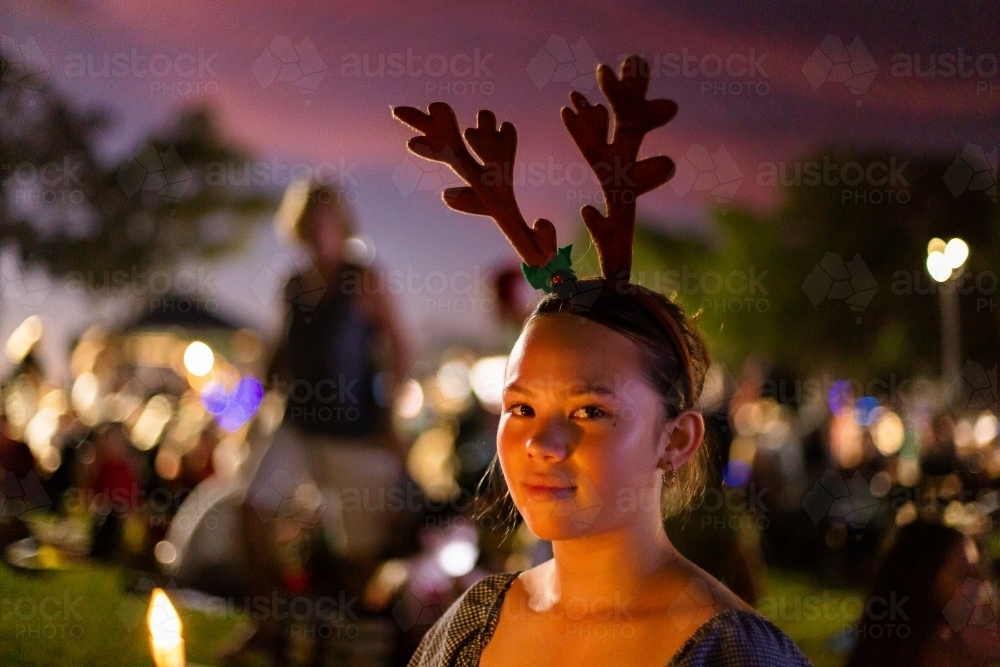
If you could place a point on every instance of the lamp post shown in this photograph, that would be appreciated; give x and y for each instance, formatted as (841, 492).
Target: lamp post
(945, 262)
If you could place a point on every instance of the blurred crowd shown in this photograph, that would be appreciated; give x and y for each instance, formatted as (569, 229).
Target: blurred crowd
(177, 449)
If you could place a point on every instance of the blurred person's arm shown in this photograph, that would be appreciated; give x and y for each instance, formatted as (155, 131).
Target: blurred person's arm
(278, 370)
(385, 315)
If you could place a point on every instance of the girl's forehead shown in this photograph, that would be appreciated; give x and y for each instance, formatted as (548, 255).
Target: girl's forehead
(568, 376)
(573, 335)
(556, 352)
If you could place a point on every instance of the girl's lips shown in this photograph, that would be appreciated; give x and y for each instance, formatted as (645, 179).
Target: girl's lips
(548, 493)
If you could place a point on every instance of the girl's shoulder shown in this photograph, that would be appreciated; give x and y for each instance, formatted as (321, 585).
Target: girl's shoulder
(733, 637)
(739, 638)
(458, 637)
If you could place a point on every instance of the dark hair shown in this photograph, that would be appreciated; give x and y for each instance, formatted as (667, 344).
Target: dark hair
(908, 569)
(675, 361)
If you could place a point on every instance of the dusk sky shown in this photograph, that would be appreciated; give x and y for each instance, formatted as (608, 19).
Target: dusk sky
(310, 85)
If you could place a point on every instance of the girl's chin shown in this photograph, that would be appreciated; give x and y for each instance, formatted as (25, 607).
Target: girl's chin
(548, 525)
(552, 533)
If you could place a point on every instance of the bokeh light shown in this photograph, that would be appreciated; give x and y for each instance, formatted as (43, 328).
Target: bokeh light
(938, 266)
(198, 359)
(957, 251)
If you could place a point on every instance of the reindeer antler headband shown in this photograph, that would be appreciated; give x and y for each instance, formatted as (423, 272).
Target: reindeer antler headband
(623, 177)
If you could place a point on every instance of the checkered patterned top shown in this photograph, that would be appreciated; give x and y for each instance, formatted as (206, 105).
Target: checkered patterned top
(731, 638)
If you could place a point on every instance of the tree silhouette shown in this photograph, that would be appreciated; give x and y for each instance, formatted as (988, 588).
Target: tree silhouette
(834, 281)
(66, 210)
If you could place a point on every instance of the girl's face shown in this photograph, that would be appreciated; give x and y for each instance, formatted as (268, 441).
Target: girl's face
(581, 432)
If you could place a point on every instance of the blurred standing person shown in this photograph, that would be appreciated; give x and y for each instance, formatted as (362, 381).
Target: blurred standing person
(20, 489)
(334, 457)
(930, 605)
(114, 489)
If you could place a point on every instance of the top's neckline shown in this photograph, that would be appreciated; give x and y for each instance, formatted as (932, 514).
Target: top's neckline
(493, 619)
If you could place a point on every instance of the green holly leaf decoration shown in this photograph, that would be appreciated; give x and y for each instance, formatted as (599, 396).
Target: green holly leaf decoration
(540, 277)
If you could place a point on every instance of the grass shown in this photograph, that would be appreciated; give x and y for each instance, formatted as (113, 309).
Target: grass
(811, 613)
(87, 616)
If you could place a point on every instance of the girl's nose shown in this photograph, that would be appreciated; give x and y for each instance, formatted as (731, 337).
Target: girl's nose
(550, 440)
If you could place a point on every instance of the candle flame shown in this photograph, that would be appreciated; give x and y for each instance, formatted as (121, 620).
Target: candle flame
(164, 623)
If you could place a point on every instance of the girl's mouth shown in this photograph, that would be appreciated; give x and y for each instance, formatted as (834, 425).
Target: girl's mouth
(546, 492)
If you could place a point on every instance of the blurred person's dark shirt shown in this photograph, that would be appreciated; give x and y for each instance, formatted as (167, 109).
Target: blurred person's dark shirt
(330, 356)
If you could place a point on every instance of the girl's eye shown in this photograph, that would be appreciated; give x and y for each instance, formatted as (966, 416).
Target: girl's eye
(521, 410)
(590, 412)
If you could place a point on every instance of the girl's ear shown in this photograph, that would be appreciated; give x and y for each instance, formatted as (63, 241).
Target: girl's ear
(680, 438)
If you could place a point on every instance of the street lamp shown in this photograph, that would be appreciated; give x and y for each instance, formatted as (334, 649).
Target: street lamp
(944, 264)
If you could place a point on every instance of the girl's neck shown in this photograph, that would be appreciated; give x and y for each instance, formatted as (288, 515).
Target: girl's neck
(612, 565)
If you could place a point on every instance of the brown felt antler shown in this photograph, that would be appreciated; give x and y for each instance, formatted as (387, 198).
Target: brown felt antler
(491, 189)
(622, 178)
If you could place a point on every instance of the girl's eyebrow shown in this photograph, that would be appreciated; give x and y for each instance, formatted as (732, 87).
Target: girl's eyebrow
(519, 389)
(580, 391)
(590, 391)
